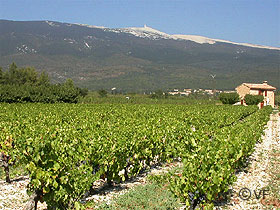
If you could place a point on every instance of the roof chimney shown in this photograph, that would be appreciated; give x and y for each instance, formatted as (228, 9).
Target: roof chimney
(265, 82)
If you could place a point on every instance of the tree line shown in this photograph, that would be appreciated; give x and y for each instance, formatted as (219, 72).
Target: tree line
(20, 85)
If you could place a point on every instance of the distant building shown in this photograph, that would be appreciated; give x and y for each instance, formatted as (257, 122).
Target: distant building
(185, 92)
(210, 92)
(198, 91)
(229, 91)
(267, 91)
(188, 90)
(174, 92)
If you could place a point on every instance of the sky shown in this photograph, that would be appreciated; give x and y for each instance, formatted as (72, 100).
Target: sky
(248, 21)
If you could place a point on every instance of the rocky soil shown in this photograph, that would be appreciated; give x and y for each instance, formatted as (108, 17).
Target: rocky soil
(251, 188)
(13, 196)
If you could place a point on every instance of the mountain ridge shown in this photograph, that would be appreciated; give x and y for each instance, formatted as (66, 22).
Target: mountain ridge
(196, 38)
(132, 59)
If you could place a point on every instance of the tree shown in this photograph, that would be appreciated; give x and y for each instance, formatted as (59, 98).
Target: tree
(83, 91)
(253, 99)
(19, 85)
(13, 68)
(26, 75)
(68, 92)
(19, 76)
(159, 94)
(102, 93)
(229, 98)
(43, 79)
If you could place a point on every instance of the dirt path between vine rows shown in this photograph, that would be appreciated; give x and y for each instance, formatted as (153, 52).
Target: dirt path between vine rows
(252, 190)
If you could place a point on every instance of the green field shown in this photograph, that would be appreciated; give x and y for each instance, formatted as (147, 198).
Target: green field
(66, 147)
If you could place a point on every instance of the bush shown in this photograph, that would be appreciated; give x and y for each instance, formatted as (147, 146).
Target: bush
(229, 98)
(102, 93)
(253, 99)
(83, 91)
(159, 94)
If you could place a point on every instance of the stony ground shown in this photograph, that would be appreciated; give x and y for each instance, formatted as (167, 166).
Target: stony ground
(107, 194)
(252, 188)
(259, 175)
(13, 196)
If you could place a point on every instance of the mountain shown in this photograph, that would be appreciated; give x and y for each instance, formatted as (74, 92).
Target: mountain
(134, 59)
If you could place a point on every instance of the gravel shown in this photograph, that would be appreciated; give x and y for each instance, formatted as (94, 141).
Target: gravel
(13, 196)
(106, 194)
(256, 176)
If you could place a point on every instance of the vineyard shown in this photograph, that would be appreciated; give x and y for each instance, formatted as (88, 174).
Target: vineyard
(66, 147)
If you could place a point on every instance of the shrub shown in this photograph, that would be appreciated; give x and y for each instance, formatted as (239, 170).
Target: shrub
(253, 99)
(229, 98)
(159, 94)
(102, 93)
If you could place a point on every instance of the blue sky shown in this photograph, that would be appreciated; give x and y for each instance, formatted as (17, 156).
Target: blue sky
(250, 21)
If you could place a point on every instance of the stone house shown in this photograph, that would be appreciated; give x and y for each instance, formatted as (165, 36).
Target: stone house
(267, 91)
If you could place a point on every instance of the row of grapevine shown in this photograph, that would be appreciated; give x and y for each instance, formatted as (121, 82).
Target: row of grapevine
(210, 167)
(66, 147)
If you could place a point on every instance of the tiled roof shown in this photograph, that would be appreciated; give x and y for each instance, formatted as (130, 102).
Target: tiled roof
(263, 86)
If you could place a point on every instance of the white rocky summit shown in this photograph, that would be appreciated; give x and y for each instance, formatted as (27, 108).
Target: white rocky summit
(154, 34)
(148, 32)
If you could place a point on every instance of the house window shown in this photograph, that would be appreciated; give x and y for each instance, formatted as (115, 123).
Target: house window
(265, 93)
(260, 92)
